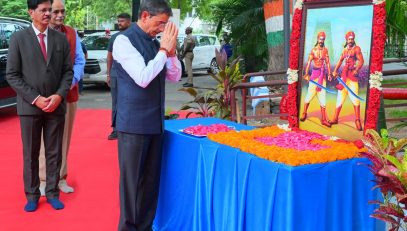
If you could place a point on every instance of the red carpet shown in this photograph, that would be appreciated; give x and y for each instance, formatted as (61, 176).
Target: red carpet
(93, 172)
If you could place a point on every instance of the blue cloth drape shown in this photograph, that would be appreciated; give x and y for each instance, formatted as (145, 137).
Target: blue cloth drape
(208, 186)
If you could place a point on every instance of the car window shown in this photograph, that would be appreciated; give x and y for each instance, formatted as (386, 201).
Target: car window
(211, 40)
(203, 41)
(6, 30)
(96, 43)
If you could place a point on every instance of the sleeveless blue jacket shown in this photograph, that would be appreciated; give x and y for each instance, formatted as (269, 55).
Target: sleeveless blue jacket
(140, 110)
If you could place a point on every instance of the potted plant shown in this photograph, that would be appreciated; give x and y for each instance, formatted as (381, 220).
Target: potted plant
(201, 103)
(228, 76)
(389, 167)
(216, 102)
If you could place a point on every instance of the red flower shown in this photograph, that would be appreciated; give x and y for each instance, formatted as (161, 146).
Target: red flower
(292, 105)
(379, 38)
(359, 144)
(295, 39)
(372, 108)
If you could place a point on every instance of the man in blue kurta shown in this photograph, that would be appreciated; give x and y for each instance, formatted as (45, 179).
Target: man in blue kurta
(143, 65)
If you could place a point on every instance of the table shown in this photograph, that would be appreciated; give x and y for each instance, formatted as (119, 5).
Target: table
(209, 186)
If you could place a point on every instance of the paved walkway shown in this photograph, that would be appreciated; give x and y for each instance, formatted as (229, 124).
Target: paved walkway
(174, 99)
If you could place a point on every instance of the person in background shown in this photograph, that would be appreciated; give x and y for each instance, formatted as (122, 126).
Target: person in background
(227, 47)
(124, 22)
(187, 54)
(143, 65)
(78, 61)
(39, 70)
(81, 35)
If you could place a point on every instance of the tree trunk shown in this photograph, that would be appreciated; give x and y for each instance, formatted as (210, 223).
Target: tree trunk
(135, 9)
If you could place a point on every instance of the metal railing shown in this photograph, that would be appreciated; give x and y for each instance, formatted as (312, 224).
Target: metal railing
(390, 92)
(236, 116)
(395, 50)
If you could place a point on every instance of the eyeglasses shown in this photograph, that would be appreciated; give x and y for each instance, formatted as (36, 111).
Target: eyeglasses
(45, 10)
(159, 22)
(62, 11)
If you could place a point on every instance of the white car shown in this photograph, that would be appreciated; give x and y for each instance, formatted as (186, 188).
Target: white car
(97, 43)
(204, 52)
(95, 68)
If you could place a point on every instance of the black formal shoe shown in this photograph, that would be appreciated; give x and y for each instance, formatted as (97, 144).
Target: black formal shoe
(112, 136)
(187, 85)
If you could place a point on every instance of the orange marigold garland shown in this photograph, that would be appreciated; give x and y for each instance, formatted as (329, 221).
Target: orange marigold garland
(248, 141)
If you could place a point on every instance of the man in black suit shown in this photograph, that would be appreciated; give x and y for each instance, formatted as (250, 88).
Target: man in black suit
(39, 69)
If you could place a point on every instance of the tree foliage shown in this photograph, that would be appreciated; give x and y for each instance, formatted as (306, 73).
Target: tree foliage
(245, 20)
(15, 9)
(396, 27)
(396, 15)
(75, 13)
(204, 8)
(185, 6)
(108, 9)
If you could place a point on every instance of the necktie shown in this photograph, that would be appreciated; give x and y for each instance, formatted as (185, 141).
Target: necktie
(42, 45)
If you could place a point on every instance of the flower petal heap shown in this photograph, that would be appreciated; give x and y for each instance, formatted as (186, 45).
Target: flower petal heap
(292, 148)
(203, 130)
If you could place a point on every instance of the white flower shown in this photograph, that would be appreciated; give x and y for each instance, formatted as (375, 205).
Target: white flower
(284, 127)
(375, 80)
(292, 76)
(299, 3)
(377, 2)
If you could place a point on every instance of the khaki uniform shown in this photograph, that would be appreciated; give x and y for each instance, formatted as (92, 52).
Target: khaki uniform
(187, 49)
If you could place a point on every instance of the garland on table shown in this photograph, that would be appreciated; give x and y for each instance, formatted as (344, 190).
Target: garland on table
(376, 65)
(292, 148)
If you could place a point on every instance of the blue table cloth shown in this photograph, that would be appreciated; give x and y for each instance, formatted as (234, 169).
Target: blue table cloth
(208, 186)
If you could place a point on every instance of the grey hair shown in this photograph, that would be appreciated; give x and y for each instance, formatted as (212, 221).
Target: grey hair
(155, 7)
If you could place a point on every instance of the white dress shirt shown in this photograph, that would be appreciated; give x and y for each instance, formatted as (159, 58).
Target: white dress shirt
(37, 32)
(133, 63)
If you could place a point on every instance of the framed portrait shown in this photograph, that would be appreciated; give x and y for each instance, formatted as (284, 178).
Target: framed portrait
(334, 67)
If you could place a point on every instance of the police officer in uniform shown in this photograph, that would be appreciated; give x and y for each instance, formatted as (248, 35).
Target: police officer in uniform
(188, 54)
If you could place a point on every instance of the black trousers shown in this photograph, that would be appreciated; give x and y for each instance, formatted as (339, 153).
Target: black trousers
(113, 92)
(140, 168)
(53, 130)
